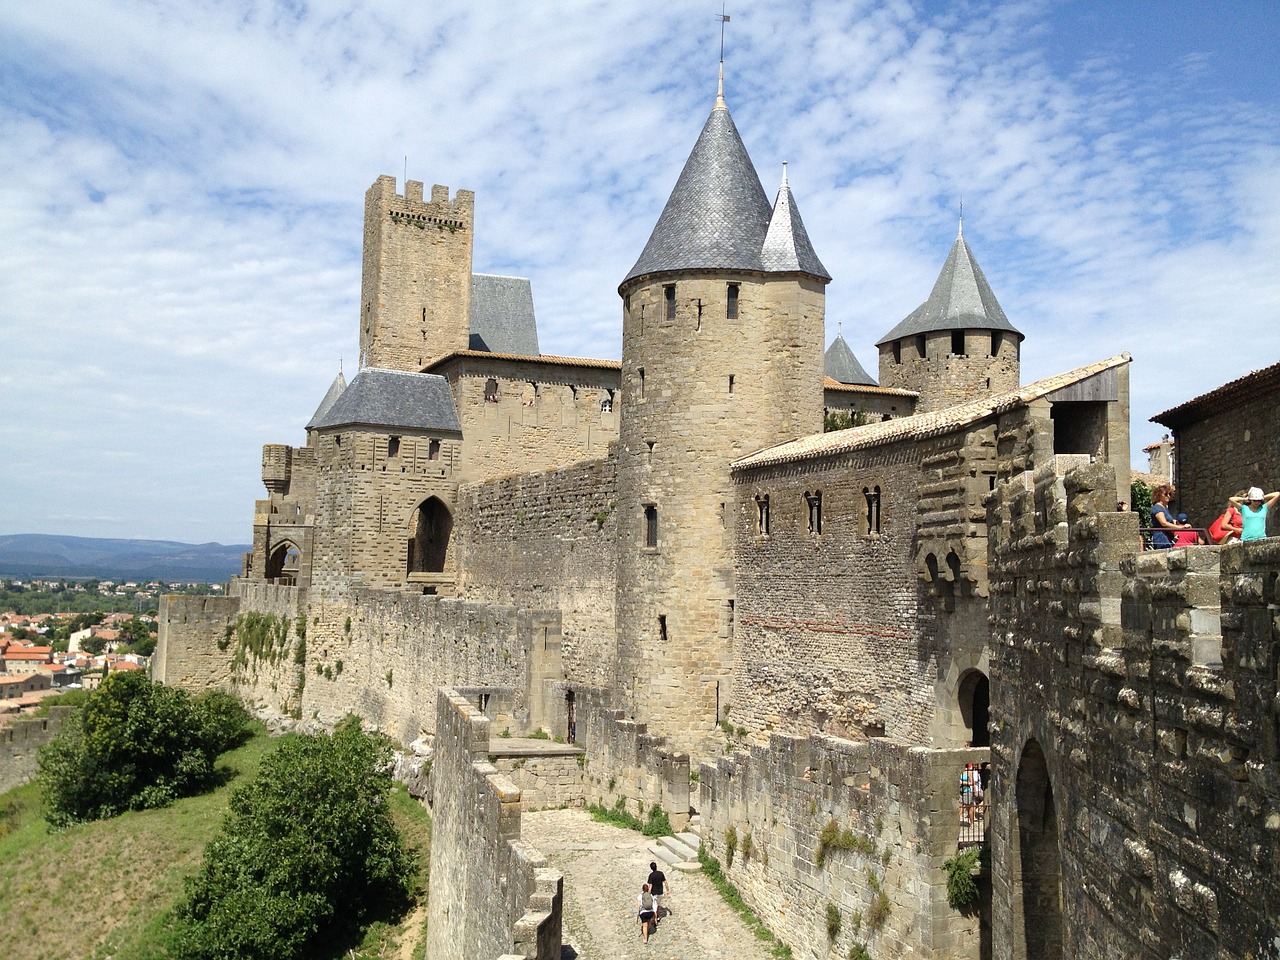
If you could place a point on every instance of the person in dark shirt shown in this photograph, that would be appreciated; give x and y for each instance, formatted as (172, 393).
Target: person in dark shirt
(659, 887)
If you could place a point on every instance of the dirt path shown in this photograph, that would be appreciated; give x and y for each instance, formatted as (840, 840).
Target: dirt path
(603, 869)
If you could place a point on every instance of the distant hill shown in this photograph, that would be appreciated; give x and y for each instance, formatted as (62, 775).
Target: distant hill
(29, 555)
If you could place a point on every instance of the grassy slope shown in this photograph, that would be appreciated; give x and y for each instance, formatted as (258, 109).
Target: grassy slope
(103, 889)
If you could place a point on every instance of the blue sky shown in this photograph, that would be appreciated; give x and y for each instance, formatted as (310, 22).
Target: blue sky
(182, 186)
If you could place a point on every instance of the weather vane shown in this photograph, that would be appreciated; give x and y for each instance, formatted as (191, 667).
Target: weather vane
(723, 18)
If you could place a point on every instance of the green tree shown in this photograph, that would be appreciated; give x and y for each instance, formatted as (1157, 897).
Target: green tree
(839, 420)
(134, 745)
(93, 645)
(308, 855)
(1140, 502)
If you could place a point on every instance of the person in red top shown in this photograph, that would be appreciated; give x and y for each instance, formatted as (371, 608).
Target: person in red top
(1187, 538)
(1228, 526)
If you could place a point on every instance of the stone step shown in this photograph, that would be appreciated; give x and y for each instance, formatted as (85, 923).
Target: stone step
(679, 848)
(665, 855)
(695, 824)
(690, 839)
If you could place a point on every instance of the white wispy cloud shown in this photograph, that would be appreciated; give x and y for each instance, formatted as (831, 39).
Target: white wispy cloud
(182, 187)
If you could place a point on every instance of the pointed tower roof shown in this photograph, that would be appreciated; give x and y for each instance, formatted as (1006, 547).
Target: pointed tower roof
(841, 365)
(961, 300)
(330, 398)
(718, 213)
(786, 243)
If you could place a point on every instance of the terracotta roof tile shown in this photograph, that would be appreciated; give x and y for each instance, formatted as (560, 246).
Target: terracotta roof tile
(923, 425)
(1264, 382)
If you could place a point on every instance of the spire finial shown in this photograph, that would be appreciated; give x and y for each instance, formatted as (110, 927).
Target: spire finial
(784, 173)
(723, 18)
(339, 366)
(960, 229)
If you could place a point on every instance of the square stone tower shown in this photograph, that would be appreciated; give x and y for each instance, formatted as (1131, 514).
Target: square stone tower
(415, 289)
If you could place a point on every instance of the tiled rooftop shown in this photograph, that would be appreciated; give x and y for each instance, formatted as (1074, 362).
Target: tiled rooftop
(922, 425)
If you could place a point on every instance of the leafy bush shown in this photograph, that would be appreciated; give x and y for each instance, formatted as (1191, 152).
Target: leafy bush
(224, 719)
(657, 824)
(307, 856)
(135, 745)
(962, 891)
(730, 844)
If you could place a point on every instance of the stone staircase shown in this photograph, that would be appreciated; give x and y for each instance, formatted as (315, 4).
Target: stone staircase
(681, 851)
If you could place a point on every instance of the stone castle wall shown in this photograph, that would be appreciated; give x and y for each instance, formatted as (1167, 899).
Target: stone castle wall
(701, 389)
(187, 652)
(20, 743)
(415, 289)
(1226, 452)
(367, 502)
(825, 621)
(627, 765)
(944, 379)
(525, 417)
(548, 541)
(502, 898)
(375, 653)
(270, 681)
(899, 806)
(1136, 734)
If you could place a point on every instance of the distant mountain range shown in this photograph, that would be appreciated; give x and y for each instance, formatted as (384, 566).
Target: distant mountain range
(35, 555)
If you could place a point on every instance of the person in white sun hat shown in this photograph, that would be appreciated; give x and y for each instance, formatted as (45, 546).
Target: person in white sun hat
(1253, 512)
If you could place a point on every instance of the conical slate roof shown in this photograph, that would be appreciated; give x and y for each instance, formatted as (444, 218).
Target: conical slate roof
(330, 398)
(841, 365)
(717, 215)
(961, 300)
(786, 244)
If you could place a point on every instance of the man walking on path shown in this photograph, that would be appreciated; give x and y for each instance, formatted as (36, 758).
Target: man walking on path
(659, 887)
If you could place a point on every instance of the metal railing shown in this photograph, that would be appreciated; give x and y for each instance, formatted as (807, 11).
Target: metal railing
(1201, 532)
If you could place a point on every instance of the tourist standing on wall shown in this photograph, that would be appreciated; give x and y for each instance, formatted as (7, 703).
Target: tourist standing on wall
(1253, 512)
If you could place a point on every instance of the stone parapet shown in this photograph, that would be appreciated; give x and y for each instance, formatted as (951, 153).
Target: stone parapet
(626, 765)
(890, 816)
(493, 895)
(20, 743)
(1136, 724)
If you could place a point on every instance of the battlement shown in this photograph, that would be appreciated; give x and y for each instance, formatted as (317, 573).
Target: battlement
(415, 288)
(502, 892)
(410, 207)
(1116, 667)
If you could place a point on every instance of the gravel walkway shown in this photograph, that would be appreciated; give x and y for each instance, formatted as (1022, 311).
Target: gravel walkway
(603, 869)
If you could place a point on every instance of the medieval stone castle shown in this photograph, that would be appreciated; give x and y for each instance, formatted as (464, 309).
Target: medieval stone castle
(667, 565)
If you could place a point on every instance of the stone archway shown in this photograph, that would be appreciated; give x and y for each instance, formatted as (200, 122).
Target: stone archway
(974, 696)
(283, 563)
(1039, 859)
(432, 527)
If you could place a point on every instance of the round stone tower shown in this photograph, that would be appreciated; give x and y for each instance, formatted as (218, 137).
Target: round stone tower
(956, 346)
(722, 356)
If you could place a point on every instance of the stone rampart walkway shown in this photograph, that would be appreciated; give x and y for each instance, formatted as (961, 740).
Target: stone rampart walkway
(603, 869)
